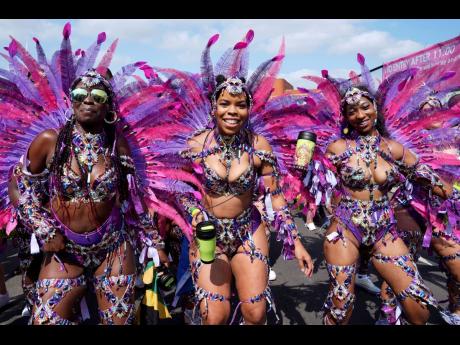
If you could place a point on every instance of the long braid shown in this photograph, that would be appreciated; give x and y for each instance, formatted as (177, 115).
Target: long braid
(62, 150)
(60, 157)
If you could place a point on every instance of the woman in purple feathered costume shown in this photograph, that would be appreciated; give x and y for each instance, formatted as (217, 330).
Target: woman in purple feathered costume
(86, 190)
(237, 144)
(376, 160)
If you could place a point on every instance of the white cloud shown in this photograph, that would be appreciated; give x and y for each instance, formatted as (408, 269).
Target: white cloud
(180, 42)
(378, 43)
(295, 77)
(296, 80)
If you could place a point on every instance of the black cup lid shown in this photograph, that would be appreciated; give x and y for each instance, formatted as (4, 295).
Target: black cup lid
(205, 230)
(204, 225)
(307, 136)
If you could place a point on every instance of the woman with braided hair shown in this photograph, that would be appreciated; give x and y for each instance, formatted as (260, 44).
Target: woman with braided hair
(84, 233)
(85, 189)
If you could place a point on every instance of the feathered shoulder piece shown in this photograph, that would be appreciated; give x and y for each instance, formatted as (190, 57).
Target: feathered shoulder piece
(34, 96)
(400, 99)
(191, 96)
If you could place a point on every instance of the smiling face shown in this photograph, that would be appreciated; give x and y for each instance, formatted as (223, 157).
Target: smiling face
(361, 116)
(89, 112)
(232, 112)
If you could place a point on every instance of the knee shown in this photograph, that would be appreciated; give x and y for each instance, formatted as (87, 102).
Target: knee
(215, 318)
(418, 317)
(216, 315)
(254, 314)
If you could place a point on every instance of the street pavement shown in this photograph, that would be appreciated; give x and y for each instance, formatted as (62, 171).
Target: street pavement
(298, 299)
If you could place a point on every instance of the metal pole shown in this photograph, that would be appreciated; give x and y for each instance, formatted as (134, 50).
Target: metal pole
(372, 70)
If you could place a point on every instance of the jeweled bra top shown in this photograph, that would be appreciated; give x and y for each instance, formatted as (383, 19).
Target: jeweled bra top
(228, 151)
(367, 148)
(86, 149)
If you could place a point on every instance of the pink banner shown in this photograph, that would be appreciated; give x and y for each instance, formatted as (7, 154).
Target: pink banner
(441, 57)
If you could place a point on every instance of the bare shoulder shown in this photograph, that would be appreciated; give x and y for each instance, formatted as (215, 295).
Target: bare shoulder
(47, 137)
(197, 142)
(396, 148)
(43, 143)
(337, 147)
(399, 152)
(260, 143)
(41, 150)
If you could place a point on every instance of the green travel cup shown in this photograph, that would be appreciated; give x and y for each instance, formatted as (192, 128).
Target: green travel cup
(305, 146)
(206, 238)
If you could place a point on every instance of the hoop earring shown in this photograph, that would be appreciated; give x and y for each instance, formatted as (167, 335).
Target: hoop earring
(114, 120)
(68, 117)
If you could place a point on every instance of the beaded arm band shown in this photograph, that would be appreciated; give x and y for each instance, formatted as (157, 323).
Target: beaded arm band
(281, 220)
(270, 158)
(285, 226)
(450, 211)
(128, 164)
(32, 190)
(148, 234)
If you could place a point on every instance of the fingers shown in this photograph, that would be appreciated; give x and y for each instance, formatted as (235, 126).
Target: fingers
(306, 265)
(197, 219)
(309, 268)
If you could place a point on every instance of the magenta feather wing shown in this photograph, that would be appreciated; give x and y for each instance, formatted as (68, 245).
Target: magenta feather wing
(266, 85)
(107, 58)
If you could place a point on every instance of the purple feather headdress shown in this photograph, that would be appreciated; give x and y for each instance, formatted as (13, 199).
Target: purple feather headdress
(234, 86)
(432, 101)
(233, 65)
(352, 97)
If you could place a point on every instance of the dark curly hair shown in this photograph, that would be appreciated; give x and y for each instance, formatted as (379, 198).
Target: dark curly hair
(219, 80)
(380, 126)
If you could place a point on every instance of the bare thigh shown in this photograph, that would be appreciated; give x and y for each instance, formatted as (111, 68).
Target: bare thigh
(214, 278)
(444, 247)
(251, 278)
(396, 278)
(338, 251)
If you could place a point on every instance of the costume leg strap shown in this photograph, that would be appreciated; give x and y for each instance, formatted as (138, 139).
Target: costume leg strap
(256, 254)
(417, 290)
(453, 286)
(122, 307)
(267, 294)
(200, 293)
(44, 310)
(390, 310)
(340, 292)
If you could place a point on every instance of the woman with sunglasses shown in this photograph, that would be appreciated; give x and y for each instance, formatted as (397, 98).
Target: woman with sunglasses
(84, 232)
(86, 191)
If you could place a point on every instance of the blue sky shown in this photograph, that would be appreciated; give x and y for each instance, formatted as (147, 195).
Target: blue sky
(311, 44)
